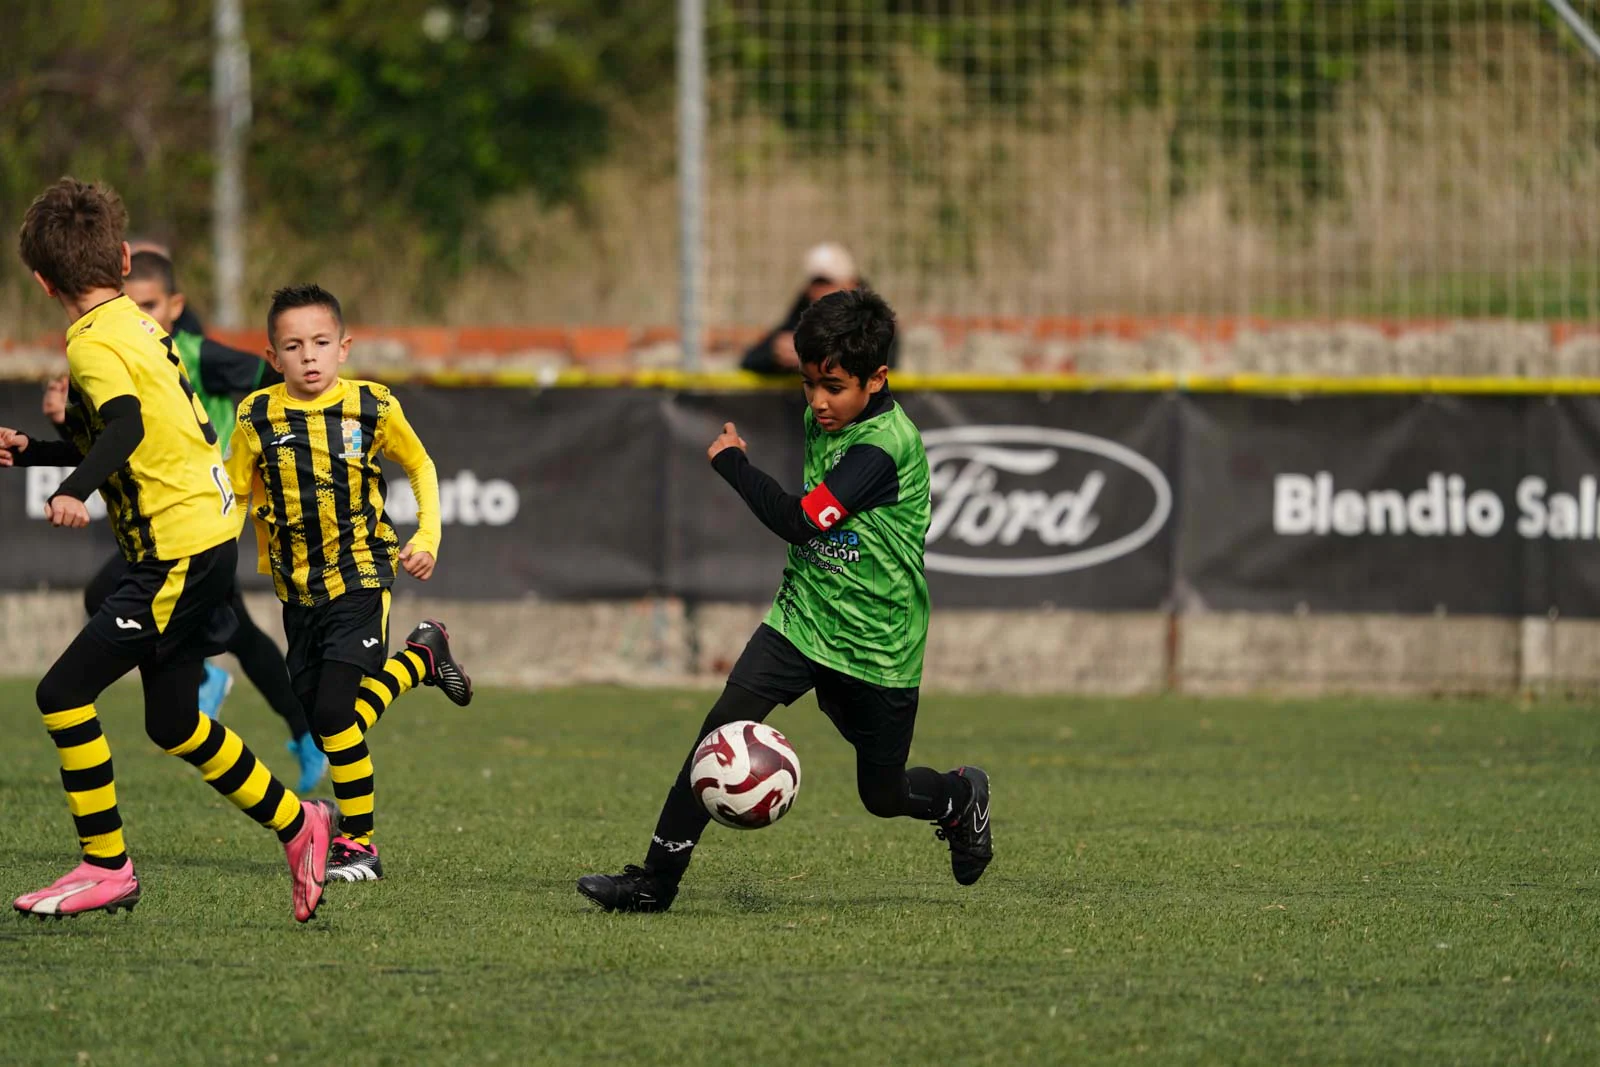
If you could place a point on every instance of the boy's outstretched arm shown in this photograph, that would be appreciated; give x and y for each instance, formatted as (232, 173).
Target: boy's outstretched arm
(18, 448)
(106, 382)
(865, 477)
(399, 442)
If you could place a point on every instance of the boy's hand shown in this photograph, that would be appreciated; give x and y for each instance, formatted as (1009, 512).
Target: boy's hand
(11, 442)
(729, 438)
(417, 564)
(55, 400)
(66, 511)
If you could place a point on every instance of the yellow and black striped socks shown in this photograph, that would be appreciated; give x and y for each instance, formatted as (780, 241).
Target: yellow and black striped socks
(350, 767)
(91, 789)
(402, 673)
(349, 760)
(233, 770)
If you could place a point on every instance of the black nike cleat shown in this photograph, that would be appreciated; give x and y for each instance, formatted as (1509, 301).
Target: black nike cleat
(971, 843)
(431, 641)
(635, 889)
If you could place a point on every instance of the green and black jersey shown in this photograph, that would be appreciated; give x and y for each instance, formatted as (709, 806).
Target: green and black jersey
(853, 596)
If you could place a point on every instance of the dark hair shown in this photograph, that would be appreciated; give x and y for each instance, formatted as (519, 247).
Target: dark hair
(72, 235)
(147, 266)
(301, 296)
(852, 329)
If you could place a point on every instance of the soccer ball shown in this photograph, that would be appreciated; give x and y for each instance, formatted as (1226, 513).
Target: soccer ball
(746, 774)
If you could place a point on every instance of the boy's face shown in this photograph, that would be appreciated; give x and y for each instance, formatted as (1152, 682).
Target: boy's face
(837, 396)
(307, 346)
(162, 307)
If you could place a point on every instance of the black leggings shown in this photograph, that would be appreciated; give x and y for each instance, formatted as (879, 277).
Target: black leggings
(257, 653)
(887, 792)
(89, 666)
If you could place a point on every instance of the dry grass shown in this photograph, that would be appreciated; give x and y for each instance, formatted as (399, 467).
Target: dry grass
(1466, 183)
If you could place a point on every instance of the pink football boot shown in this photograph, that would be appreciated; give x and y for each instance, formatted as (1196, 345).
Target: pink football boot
(84, 888)
(308, 856)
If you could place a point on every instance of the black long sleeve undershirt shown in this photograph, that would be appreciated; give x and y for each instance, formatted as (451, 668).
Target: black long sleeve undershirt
(43, 453)
(121, 433)
(778, 511)
(864, 478)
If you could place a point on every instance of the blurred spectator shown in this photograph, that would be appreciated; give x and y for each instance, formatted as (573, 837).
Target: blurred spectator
(829, 268)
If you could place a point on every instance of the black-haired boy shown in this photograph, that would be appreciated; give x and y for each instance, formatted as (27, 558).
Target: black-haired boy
(851, 617)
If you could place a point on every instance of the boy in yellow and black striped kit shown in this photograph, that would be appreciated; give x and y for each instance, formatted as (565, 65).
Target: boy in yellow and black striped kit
(305, 454)
(138, 435)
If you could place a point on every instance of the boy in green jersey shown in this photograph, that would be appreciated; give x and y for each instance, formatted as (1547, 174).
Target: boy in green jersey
(851, 616)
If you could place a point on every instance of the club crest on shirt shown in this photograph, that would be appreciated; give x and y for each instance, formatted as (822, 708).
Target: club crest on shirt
(352, 439)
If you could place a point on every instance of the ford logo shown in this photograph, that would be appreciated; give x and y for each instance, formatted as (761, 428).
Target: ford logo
(1054, 524)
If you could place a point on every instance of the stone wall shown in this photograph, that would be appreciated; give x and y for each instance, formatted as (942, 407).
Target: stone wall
(663, 642)
(1108, 346)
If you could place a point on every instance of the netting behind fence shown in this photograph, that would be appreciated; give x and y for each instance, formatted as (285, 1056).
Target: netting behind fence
(1352, 158)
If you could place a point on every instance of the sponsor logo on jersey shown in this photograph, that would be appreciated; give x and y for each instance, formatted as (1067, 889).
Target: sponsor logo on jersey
(351, 430)
(1015, 501)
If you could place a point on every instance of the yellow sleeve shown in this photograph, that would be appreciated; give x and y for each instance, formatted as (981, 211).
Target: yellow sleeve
(244, 448)
(99, 373)
(399, 442)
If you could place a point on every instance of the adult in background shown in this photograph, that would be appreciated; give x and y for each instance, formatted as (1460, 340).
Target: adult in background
(829, 268)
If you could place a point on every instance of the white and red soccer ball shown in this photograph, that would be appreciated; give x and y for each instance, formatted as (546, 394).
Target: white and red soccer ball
(746, 774)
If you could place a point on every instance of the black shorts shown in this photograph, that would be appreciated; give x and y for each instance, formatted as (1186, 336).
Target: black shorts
(878, 720)
(114, 569)
(353, 628)
(162, 612)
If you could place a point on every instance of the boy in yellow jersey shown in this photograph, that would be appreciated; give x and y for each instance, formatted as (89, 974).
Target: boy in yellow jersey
(305, 453)
(137, 435)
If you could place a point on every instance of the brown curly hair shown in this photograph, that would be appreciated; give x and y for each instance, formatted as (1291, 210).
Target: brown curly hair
(72, 236)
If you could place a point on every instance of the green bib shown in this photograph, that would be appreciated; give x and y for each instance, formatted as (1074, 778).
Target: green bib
(219, 409)
(854, 598)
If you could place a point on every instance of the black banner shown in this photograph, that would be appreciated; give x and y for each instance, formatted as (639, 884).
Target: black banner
(1111, 501)
(1054, 498)
(1370, 503)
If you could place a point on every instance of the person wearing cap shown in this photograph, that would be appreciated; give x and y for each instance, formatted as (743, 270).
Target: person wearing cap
(829, 267)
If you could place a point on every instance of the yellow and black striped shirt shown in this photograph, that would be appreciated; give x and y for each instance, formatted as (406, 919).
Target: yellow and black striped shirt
(310, 470)
(172, 498)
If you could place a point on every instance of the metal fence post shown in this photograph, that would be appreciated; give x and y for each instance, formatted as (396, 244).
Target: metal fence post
(691, 175)
(230, 105)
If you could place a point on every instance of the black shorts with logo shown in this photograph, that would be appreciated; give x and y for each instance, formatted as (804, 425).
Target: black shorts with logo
(170, 611)
(878, 720)
(352, 628)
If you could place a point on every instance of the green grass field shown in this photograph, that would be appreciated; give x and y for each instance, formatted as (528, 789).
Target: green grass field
(1176, 881)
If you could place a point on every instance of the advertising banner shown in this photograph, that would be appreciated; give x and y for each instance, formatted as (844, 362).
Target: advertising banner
(1098, 501)
(1038, 499)
(555, 493)
(1353, 504)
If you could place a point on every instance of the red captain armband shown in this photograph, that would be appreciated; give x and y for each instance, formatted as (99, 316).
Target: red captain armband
(823, 508)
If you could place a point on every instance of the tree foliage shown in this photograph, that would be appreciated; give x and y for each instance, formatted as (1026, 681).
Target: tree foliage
(419, 110)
